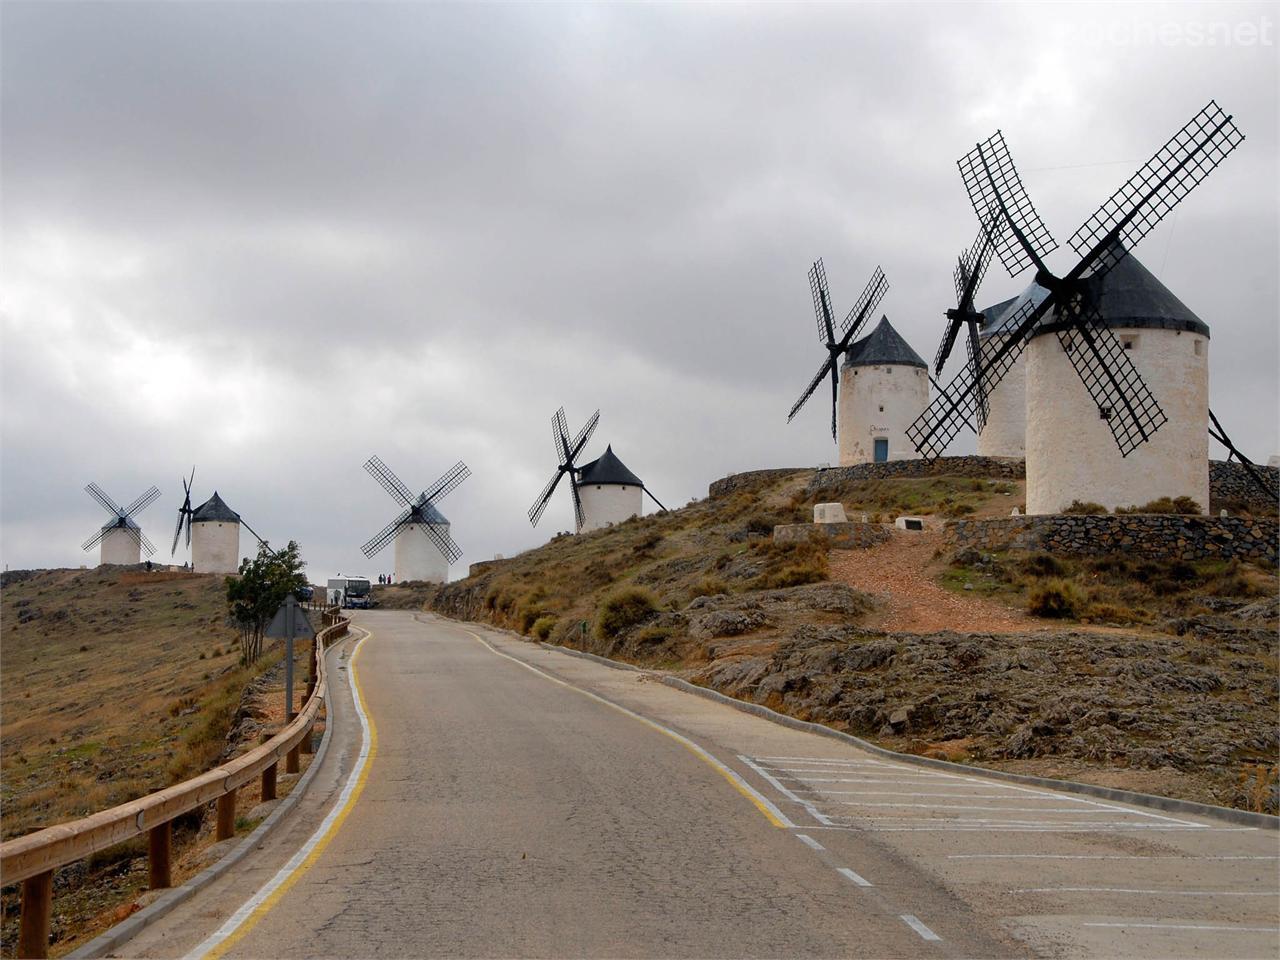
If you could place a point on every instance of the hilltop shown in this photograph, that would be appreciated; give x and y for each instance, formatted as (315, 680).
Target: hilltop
(1156, 677)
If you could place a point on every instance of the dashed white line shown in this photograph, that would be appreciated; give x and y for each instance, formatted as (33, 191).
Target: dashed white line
(856, 878)
(809, 841)
(925, 933)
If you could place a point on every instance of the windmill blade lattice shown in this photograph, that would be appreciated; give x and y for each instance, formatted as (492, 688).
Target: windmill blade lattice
(993, 184)
(1176, 169)
(416, 510)
(853, 322)
(122, 517)
(567, 452)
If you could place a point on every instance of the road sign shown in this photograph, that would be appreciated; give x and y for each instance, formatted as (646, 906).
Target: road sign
(290, 621)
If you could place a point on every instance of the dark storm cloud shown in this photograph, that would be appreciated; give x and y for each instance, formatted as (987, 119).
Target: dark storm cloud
(249, 235)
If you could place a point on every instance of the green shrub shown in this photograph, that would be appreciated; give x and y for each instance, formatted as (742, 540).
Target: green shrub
(543, 626)
(794, 575)
(1043, 565)
(1179, 505)
(623, 609)
(1056, 598)
(708, 587)
(652, 636)
(1085, 507)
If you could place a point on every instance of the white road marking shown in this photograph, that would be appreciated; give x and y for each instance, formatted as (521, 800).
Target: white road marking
(1068, 828)
(1090, 856)
(1170, 893)
(957, 806)
(859, 880)
(924, 932)
(810, 841)
(1187, 926)
(809, 807)
(238, 918)
(910, 793)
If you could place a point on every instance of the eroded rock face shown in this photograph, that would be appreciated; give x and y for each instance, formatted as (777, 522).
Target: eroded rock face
(1147, 702)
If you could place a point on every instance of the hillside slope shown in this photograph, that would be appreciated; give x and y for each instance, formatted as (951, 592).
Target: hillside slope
(1182, 701)
(106, 672)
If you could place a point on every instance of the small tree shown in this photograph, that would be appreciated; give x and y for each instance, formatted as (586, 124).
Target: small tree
(256, 592)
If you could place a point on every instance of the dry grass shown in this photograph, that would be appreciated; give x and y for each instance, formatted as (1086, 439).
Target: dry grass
(103, 687)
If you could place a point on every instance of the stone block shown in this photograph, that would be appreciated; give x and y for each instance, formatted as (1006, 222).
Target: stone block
(829, 513)
(909, 523)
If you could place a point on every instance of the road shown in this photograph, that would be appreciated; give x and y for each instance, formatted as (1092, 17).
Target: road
(513, 801)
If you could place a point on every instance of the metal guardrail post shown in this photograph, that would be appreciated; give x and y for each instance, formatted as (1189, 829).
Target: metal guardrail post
(159, 856)
(37, 913)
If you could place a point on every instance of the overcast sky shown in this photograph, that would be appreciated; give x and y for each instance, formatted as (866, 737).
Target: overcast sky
(269, 240)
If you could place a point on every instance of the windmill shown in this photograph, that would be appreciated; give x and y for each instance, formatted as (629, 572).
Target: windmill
(849, 328)
(567, 452)
(1098, 357)
(424, 547)
(122, 539)
(212, 532)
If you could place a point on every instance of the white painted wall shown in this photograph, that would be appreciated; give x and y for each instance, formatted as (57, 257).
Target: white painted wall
(215, 546)
(879, 402)
(1071, 454)
(1005, 433)
(606, 503)
(119, 547)
(417, 556)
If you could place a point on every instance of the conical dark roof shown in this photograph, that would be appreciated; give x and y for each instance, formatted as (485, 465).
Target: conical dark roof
(998, 318)
(430, 515)
(883, 345)
(214, 510)
(608, 469)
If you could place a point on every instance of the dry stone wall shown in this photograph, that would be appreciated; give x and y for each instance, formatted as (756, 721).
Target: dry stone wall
(984, 467)
(1230, 486)
(1155, 536)
(751, 480)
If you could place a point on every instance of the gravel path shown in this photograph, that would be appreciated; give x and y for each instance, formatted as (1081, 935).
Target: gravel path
(895, 573)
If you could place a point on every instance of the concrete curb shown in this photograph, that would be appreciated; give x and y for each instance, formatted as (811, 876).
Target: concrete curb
(1166, 804)
(129, 928)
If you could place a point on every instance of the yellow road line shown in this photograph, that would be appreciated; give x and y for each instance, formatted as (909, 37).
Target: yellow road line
(771, 812)
(254, 909)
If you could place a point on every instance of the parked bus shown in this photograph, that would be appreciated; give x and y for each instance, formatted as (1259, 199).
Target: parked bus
(351, 592)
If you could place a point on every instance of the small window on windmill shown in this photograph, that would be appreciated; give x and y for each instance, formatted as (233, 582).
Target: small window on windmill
(882, 408)
(1129, 343)
(1199, 348)
(1104, 413)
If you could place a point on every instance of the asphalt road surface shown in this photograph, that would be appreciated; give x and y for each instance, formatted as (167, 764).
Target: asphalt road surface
(504, 800)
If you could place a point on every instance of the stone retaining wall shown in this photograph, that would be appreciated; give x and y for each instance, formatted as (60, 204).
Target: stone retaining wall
(1154, 536)
(1003, 468)
(850, 535)
(1230, 486)
(751, 480)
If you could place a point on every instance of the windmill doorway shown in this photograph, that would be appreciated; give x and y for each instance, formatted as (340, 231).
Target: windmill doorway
(882, 449)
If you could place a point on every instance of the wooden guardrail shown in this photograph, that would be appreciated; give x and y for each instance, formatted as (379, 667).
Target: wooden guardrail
(32, 859)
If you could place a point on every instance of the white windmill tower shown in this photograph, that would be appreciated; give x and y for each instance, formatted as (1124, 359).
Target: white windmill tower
(604, 491)
(424, 547)
(122, 539)
(884, 387)
(213, 532)
(1090, 378)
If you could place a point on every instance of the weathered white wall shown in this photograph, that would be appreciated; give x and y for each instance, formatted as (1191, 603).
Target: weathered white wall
(606, 503)
(1005, 434)
(215, 547)
(417, 556)
(119, 547)
(879, 402)
(1071, 454)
